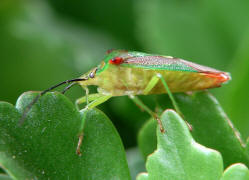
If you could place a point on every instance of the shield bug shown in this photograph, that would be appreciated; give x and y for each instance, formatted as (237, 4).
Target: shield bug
(134, 73)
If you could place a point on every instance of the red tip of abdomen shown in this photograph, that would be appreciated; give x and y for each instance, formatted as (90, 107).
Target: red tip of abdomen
(221, 77)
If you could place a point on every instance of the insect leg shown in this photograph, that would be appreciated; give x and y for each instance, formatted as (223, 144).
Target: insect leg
(173, 99)
(153, 82)
(138, 102)
(87, 94)
(170, 94)
(91, 98)
(151, 85)
(96, 100)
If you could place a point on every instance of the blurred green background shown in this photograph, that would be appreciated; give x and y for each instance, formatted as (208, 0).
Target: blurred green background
(43, 42)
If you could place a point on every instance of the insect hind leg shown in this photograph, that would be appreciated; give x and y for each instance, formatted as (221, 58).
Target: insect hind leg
(153, 82)
(139, 103)
(170, 94)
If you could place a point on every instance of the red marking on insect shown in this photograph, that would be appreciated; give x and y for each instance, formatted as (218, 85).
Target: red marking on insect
(221, 77)
(116, 60)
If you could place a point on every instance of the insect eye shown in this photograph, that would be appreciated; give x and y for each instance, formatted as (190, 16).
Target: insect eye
(91, 75)
(116, 60)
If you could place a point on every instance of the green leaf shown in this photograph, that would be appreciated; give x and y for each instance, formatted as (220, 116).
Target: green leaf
(212, 127)
(147, 137)
(136, 162)
(236, 171)
(206, 116)
(44, 146)
(4, 177)
(178, 156)
(142, 176)
(1, 170)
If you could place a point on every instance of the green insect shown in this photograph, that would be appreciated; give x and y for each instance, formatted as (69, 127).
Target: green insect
(134, 73)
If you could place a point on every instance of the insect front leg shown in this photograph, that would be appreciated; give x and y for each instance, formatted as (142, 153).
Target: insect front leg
(95, 99)
(87, 99)
(139, 103)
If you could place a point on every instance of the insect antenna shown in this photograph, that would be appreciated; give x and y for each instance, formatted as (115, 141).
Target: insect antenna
(27, 108)
(68, 87)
